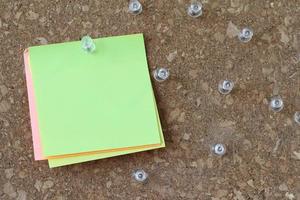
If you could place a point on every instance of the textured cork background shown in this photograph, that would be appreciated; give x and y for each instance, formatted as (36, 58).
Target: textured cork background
(263, 159)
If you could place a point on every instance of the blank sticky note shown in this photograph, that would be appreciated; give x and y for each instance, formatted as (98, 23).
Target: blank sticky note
(94, 102)
(57, 162)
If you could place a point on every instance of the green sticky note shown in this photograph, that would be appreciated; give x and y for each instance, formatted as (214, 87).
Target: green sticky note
(89, 102)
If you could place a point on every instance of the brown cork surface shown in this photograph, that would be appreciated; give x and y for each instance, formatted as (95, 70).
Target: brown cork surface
(263, 158)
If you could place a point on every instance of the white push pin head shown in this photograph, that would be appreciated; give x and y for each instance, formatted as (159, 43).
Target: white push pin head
(135, 7)
(161, 74)
(225, 86)
(276, 103)
(140, 175)
(245, 35)
(219, 149)
(88, 44)
(195, 9)
(297, 117)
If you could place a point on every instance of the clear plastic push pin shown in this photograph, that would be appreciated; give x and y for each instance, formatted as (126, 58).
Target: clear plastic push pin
(140, 175)
(88, 44)
(225, 86)
(195, 9)
(297, 117)
(219, 149)
(245, 35)
(276, 103)
(135, 7)
(161, 74)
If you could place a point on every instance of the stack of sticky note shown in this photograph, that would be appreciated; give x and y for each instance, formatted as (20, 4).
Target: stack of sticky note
(88, 106)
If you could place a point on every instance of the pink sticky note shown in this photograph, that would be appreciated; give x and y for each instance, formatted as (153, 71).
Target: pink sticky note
(32, 109)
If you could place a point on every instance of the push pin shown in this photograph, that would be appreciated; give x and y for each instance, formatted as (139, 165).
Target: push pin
(276, 103)
(161, 74)
(135, 7)
(297, 117)
(140, 175)
(88, 44)
(195, 9)
(225, 86)
(245, 35)
(219, 149)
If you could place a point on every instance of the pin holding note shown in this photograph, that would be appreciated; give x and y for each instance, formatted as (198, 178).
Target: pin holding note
(88, 44)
